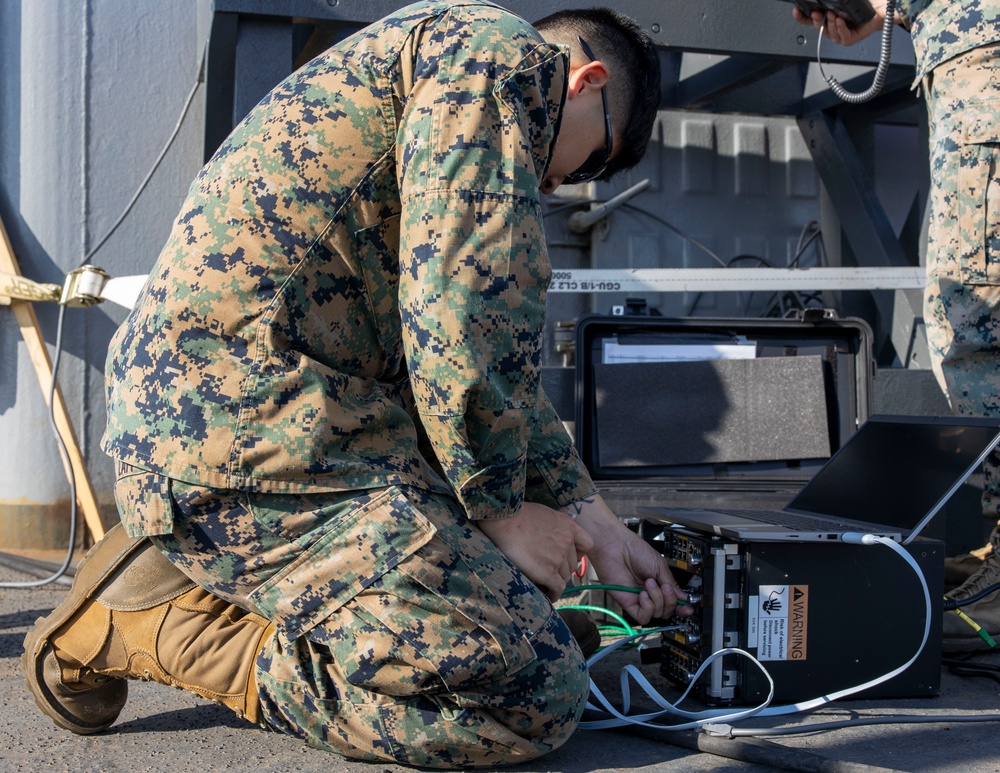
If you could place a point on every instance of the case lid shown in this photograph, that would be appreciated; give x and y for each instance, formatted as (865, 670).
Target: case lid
(717, 397)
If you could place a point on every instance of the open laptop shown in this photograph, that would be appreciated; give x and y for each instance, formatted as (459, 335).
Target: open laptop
(889, 479)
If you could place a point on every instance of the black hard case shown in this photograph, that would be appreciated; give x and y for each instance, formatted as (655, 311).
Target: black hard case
(807, 389)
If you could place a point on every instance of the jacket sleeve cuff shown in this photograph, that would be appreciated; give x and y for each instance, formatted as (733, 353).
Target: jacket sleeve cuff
(494, 492)
(558, 479)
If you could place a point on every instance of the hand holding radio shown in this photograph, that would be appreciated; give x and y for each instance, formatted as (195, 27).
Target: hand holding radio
(847, 22)
(856, 12)
(844, 22)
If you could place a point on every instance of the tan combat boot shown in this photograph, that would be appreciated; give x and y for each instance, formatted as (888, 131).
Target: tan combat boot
(958, 569)
(131, 614)
(958, 635)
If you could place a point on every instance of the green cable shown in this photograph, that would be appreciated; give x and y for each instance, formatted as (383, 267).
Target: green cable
(624, 629)
(982, 632)
(623, 588)
(608, 612)
(582, 588)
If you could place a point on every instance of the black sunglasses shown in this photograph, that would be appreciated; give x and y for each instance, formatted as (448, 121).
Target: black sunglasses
(597, 161)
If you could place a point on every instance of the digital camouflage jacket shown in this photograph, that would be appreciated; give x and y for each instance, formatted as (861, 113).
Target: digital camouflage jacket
(353, 293)
(943, 29)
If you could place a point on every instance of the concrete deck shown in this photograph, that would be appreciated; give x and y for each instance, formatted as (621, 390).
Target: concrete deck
(165, 729)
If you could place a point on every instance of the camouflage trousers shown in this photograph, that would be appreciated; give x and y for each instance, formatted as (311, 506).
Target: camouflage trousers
(404, 634)
(962, 298)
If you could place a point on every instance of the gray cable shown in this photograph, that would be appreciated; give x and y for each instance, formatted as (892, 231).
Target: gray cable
(880, 72)
(64, 454)
(156, 164)
(902, 719)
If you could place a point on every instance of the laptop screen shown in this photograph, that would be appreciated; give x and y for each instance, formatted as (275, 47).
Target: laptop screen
(899, 468)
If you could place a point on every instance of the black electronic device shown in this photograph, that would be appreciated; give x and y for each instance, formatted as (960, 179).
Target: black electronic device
(857, 12)
(820, 617)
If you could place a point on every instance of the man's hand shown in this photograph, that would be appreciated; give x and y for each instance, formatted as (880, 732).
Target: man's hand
(837, 29)
(633, 563)
(543, 543)
(622, 557)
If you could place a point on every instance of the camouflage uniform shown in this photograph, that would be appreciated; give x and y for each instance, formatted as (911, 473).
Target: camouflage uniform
(334, 369)
(957, 47)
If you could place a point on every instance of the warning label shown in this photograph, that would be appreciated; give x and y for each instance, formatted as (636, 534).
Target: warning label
(782, 622)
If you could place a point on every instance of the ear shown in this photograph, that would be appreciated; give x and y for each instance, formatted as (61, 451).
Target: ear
(590, 75)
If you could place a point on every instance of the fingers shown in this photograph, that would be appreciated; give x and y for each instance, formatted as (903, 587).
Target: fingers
(834, 27)
(837, 30)
(562, 571)
(543, 543)
(552, 595)
(658, 601)
(578, 542)
(556, 580)
(804, 18)
(582, 539)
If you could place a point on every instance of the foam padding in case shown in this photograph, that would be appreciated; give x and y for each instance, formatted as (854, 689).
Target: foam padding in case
(711, 411)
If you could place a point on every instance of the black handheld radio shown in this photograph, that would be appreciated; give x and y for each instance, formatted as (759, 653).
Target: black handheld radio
(856, 12)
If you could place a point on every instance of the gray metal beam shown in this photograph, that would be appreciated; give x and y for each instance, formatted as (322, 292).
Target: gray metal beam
(254, 37)
(247, 56)
(895, 95)
(757, 27)
(263, 59)
(850, 186)
(220, 80)
(760, 39)
(735, 72)
(864, 222)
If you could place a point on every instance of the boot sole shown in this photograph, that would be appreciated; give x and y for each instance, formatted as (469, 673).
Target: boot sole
(50, 704)
(966, 645)
(36, 643)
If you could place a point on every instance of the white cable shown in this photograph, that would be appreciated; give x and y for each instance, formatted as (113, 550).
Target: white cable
(698, 718)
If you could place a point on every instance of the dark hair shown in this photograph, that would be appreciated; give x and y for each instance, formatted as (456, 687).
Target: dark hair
(631, 57)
